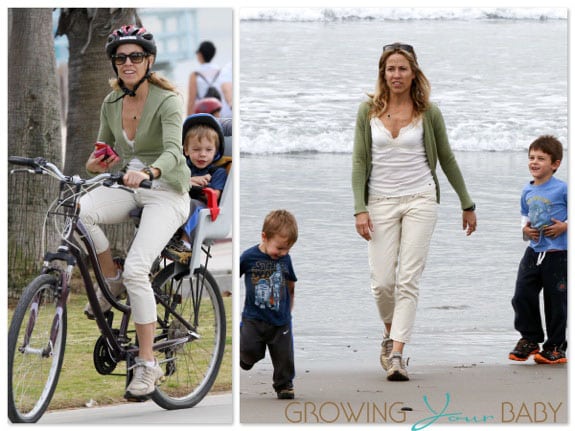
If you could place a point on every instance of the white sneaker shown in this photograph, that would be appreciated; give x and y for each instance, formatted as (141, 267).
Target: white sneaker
(144, 380)
(386, 348)
(397, 371)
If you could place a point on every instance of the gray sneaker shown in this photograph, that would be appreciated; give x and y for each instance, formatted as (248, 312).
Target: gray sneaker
(116, 287)
(144, 380)
(396, 371)
(386, 348)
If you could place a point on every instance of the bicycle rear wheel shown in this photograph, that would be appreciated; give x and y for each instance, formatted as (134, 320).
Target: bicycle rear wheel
(190, 367)
(34, 362)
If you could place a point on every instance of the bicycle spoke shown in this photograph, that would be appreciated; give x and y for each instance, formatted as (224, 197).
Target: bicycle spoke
(36, 349)
(197, 321)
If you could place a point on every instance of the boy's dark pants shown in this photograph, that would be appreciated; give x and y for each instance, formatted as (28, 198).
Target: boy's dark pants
(551, 276)
(255, 336)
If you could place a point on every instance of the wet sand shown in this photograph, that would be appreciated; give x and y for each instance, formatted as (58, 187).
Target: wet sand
(516, 393)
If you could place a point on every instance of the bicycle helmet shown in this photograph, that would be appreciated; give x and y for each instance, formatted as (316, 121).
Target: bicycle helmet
(207, 120)
(130, 34)
(207, 105)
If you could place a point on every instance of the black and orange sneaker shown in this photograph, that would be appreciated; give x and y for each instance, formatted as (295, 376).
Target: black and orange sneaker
(555, 356)
(523, 349)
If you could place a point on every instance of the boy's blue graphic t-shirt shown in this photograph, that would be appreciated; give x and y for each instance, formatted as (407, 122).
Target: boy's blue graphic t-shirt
(266, 280)
(544, 202)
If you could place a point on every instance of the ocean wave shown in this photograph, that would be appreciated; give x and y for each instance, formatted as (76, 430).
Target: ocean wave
(464, 139)
(399, 14)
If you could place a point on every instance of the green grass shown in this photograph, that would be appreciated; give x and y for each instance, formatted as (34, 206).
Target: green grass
(79, 381)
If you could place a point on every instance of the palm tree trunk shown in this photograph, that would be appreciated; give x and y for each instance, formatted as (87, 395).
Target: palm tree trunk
(33, 131)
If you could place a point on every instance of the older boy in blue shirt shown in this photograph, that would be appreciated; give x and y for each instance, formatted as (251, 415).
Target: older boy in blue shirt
(544, 264)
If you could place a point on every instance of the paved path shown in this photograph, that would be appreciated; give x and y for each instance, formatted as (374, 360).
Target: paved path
(214, 409)
(221, 263)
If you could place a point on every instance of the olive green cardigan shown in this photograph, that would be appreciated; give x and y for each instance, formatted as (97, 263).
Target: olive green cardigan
(158, 140)
(436, 148)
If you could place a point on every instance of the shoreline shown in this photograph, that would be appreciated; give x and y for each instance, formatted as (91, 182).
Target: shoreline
(359, 393)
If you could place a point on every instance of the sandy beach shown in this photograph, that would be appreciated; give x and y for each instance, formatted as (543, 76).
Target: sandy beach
(358, 393)
(464, 327)
(298, 106)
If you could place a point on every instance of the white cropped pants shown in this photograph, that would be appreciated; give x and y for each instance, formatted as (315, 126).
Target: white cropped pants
(403, 227)
(164, 212)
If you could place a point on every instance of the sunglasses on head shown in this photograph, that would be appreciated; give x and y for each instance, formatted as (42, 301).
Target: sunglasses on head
(135, 58)
(401, 46)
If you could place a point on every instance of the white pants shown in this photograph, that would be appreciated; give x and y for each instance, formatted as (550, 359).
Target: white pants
(403, 227)
(164, 212)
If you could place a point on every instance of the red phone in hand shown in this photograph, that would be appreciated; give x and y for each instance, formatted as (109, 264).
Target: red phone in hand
(104, 149)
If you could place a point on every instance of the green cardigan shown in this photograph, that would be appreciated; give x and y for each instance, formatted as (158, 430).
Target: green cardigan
(158, 140)
(436, 148)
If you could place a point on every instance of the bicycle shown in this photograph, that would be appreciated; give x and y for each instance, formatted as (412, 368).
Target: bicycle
(191, 323)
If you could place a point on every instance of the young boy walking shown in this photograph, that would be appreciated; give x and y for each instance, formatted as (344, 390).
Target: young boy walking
(270, 282)
(544, 264)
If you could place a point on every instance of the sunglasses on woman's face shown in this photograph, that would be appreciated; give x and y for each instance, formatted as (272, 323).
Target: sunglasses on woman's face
(135, 58)
(396, 46)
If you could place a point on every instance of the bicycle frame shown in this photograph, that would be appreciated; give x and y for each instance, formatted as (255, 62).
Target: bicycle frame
(114, 340)
(71, 254)
(188, 304)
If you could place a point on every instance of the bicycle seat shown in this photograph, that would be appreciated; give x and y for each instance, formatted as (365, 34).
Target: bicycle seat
(214, 224)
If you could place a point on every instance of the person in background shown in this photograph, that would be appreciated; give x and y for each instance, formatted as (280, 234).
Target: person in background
(544, 264)
(225, 81)
(203, 81)
(141, 119)
(399, 139)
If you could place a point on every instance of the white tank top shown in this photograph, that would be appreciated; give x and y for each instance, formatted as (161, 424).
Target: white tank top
(399, 165)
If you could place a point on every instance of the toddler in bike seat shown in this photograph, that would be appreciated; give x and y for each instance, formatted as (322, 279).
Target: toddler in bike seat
(203, 142)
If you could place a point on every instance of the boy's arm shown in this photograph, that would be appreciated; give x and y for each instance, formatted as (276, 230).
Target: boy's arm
(291, 289)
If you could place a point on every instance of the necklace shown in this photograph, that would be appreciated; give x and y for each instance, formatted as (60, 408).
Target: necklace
(133, 109)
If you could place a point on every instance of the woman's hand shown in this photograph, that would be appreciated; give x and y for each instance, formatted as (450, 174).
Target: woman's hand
(363, 225)
(469, 222)
(201, 181)
(99, 165)
(134, 178)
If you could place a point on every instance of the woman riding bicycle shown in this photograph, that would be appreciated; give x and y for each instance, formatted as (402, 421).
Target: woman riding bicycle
(141, 119)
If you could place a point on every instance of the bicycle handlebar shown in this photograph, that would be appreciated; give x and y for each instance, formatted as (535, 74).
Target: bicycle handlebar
(24, 161)
(40, 165)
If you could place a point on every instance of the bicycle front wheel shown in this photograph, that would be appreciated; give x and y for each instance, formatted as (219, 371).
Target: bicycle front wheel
(191, 367)
(36, 341)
